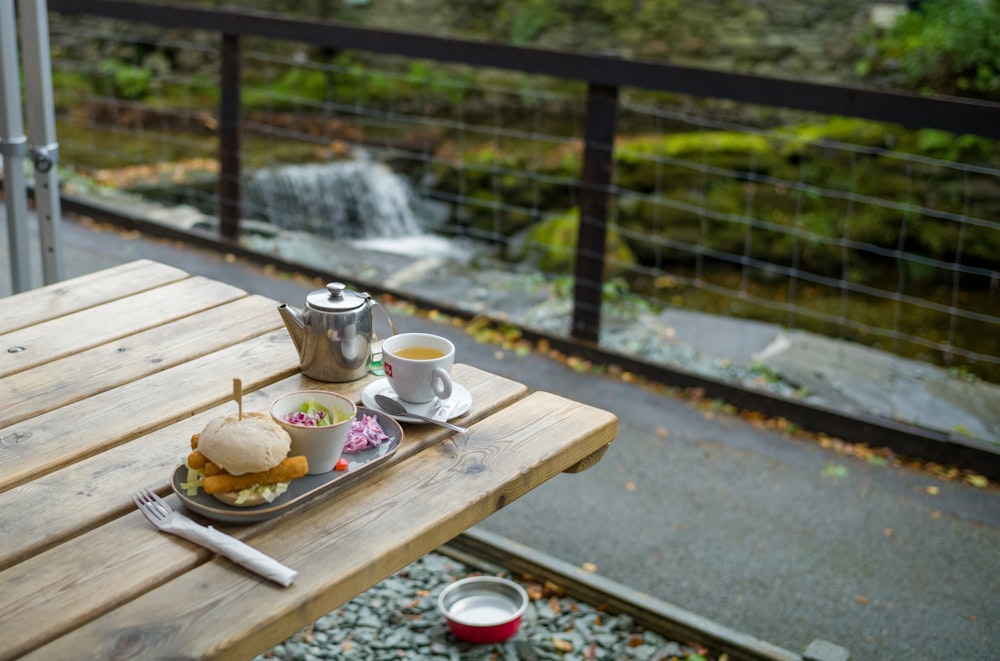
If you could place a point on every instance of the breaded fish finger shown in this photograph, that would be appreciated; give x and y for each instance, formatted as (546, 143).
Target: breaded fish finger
(197, 460)
(212, 468)
(289, 469)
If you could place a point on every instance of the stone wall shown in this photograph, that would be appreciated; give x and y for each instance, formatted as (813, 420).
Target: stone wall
(787, 38)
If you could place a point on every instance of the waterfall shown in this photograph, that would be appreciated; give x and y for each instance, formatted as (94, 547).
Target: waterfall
(341, 200)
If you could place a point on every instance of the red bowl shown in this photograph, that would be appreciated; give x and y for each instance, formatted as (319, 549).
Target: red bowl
(483, 609)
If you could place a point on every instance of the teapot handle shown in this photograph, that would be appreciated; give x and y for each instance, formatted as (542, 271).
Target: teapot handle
(375, 356)
(376, 304)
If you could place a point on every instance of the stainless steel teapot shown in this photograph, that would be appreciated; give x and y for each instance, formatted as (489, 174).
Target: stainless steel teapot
(334, 333)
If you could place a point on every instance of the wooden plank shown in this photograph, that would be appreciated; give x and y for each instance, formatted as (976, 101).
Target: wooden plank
(343, 546)
(52, 440)
(148, 461)
(85, 291)
(82, 374)
(72, 333)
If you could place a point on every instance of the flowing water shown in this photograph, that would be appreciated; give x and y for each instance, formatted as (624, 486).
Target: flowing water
(343, 200)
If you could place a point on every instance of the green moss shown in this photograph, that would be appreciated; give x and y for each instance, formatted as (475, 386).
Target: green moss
(551, 245)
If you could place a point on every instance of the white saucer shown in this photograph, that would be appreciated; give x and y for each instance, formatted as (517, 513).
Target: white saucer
(460, 400)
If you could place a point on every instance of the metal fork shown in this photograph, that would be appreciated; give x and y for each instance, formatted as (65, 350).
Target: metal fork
(164, 517)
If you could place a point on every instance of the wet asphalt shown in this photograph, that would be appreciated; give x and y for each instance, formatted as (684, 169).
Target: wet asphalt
(760, 531)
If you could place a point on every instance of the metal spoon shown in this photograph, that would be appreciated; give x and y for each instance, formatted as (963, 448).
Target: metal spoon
(393, 407)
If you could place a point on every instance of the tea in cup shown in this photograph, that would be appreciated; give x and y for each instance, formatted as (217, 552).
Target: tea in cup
(418, 366)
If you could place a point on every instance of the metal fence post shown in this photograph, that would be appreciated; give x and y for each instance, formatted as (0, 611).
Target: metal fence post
(595, 188)
(230, 203)
(44, 150)
(13, 147)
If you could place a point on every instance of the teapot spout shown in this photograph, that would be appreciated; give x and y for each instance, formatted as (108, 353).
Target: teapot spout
(295, 323)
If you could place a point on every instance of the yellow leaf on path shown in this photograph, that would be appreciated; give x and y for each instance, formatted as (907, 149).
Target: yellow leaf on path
(589, 567)
(562, 645)
(979, 481)
(861, 599)
(933, 491)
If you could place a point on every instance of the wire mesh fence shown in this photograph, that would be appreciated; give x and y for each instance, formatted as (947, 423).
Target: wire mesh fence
(852, 229)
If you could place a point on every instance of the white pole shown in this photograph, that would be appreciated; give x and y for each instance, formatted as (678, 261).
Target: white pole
(13, 145)
(44, 150)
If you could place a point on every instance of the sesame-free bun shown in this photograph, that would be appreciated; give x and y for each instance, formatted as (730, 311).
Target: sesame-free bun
(251, 445)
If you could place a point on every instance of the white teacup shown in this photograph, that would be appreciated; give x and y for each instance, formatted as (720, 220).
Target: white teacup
(418, 366)
(321, 445)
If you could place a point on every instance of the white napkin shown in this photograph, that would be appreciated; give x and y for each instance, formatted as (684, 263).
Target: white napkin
(443, 410)
(230, 547)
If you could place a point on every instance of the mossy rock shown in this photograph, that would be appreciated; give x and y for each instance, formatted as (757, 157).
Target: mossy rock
(550, 246)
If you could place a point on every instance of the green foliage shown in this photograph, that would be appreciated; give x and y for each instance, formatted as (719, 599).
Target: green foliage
(947, 47)
(125, 81)
(551, 245)
(951, 147)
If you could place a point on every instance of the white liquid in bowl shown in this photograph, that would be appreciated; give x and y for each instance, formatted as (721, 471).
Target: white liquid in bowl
(482, 609)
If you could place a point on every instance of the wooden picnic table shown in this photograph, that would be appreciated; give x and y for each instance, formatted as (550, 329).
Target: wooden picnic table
(103, 380)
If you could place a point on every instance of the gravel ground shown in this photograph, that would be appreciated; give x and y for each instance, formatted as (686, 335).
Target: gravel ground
(398, 619)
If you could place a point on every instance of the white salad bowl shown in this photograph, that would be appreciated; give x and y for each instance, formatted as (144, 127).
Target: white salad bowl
(321, 445)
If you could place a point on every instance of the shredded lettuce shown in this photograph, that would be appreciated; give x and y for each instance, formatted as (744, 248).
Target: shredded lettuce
(268, 492)
(193, 482)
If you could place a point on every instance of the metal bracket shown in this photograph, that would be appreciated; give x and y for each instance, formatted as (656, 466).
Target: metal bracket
(44, 157)
(13, 146)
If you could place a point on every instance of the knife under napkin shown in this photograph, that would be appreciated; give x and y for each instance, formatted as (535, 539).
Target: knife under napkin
(230, 547)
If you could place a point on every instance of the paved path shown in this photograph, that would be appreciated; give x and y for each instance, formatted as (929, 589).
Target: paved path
(762, 533)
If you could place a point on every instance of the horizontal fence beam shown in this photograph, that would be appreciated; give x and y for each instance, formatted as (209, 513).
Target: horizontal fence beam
(958, 115)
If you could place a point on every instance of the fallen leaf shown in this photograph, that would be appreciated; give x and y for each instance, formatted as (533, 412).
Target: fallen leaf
(562, 645)
(835, 470)
(630, 486)
(932, 490)
(535, 592)
(589, 567)
(888, 532)
(861, 599)
(661, 432)
(978, 481)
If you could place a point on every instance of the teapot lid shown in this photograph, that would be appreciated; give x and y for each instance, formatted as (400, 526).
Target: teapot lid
(335, 298)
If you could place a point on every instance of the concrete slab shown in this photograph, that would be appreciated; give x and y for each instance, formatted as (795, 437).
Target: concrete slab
(850, 377)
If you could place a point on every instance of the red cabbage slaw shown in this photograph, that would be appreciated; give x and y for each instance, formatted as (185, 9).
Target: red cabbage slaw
(365, 433)
(311, 419)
